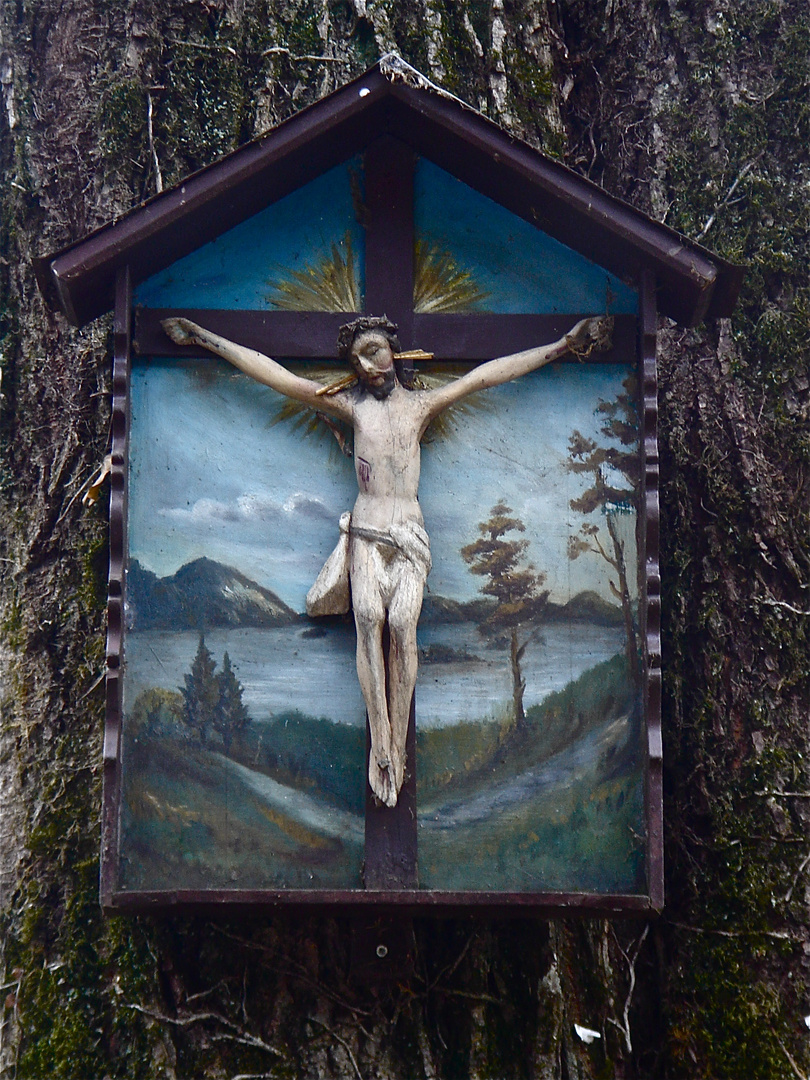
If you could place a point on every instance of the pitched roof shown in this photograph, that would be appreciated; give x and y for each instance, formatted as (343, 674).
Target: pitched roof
(390, 98)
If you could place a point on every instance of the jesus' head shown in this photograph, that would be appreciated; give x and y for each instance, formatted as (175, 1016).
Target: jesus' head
(371, 346)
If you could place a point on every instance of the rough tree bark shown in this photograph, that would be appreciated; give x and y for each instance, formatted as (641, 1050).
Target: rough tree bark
(698, 111)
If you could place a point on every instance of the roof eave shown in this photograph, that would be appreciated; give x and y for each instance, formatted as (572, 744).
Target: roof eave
(692, 282)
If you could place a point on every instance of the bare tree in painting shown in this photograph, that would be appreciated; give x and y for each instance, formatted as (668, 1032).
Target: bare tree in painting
(517, 590)
(614, 491)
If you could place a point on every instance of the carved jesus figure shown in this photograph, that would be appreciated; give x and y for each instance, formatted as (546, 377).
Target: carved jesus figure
(384, 537)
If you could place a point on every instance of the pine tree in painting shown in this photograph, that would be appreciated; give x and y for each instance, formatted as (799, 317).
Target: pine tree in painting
(516, 588)
(201, 692)
(231, 714)
(614, 491)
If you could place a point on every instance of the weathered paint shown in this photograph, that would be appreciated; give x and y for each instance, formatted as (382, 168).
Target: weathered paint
(212, 477)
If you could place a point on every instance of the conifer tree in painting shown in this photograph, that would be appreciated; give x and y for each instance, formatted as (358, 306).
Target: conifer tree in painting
(516, 588)
(231, 714)
(614, 490)
(201, 692)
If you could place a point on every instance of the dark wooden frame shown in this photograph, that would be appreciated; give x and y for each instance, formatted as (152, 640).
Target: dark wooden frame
(391, 117)
(111, 756)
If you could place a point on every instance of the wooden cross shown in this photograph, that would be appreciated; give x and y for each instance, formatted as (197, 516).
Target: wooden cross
(390, 834)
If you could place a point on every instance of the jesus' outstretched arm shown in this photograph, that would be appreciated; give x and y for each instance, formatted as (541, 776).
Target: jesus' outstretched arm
(258, 366)
(587, 334)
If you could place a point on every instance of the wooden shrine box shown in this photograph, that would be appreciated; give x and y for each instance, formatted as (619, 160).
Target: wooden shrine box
(234, 751)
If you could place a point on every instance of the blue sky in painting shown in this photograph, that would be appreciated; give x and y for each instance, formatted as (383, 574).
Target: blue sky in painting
(211, 475)
(235, 270)
(521, 268)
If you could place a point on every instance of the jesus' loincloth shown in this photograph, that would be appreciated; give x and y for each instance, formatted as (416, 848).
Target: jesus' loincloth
(397, 557)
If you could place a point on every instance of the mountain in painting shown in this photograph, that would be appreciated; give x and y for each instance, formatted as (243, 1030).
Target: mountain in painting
(443, 609)
(205, 593)
(586, 606)
(201, 594)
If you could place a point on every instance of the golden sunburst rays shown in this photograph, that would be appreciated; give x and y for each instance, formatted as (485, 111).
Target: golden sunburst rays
(440, 285)
(331, 283)
(309, 421)
(446, 423)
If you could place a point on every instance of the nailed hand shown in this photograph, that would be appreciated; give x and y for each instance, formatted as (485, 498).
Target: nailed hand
(591, 335)
(181, 331)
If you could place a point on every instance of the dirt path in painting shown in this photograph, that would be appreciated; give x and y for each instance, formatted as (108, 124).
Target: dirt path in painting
(564, 768)
(308, 811)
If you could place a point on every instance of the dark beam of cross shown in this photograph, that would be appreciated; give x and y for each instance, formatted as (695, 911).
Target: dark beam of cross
(390, 851)
(391, 834)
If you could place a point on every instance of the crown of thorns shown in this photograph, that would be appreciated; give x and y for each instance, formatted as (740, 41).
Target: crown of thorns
(349, 331)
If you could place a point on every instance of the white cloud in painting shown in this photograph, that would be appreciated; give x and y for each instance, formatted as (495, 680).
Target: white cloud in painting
(252, 507)
(303, 504)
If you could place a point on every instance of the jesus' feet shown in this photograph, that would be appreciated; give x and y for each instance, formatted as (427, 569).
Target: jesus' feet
(398, 760)
(381, 779)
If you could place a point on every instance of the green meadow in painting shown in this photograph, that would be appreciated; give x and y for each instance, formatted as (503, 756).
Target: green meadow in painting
(266, 805)
(244, 727)
(552, 805)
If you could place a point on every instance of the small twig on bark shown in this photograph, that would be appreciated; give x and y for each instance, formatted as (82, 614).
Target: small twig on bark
(487, 999)
(743, 173)
(342, 1042)
(236, 1034)
(793, 1065)
(452, 968)
(280, 50)
(245, 1040)
(151, 138)
(201, 47)
(95, 683)
(779, 935)
(624, 1027)
(204, 993)
(784, 604)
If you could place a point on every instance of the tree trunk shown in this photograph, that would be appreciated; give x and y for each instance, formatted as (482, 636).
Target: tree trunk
(623, 591)
(518, 682)
(699, 114)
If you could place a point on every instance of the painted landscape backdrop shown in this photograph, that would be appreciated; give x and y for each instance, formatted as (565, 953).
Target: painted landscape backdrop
(245, 728)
